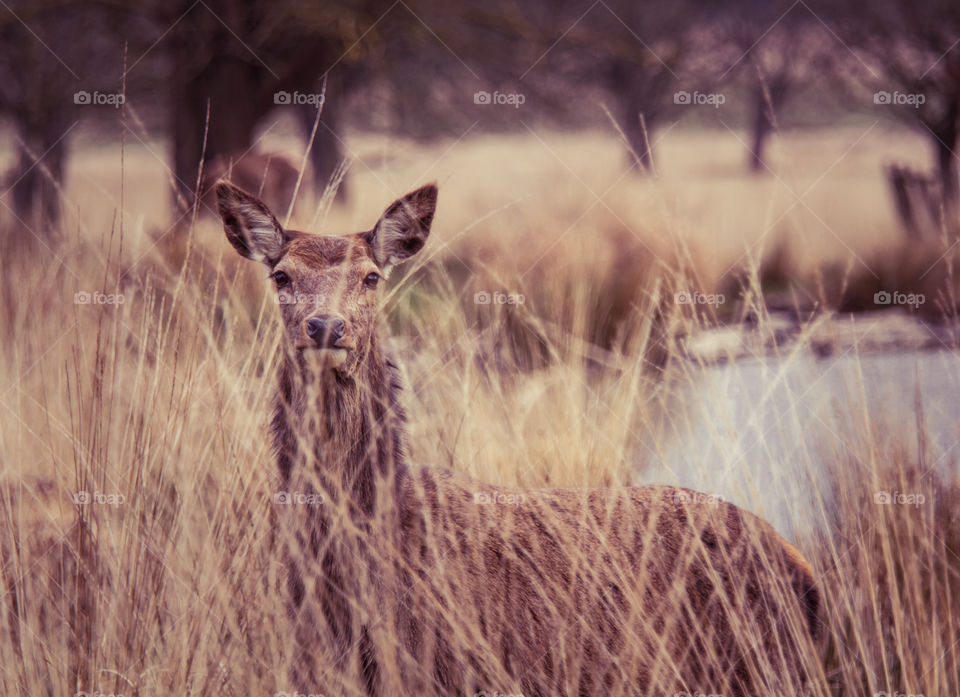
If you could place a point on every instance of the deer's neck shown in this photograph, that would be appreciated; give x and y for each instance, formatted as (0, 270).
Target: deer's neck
(346, 433)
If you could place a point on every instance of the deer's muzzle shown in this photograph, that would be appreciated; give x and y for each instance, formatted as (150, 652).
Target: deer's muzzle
(327, 331)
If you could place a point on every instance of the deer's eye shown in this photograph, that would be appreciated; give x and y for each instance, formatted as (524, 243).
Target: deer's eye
(280, 278)
(371, 281)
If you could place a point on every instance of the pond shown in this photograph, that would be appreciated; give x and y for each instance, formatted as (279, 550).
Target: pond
(757, 432)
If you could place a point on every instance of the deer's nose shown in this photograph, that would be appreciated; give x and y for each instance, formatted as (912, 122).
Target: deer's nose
(325, 330)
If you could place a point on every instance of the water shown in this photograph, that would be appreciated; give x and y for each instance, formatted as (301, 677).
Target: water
(757, 431)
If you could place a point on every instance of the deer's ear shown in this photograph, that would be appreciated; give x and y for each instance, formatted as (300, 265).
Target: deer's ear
(249, 224)
(403, 228)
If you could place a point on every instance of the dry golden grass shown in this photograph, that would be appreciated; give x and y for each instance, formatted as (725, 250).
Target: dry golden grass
(175, 588)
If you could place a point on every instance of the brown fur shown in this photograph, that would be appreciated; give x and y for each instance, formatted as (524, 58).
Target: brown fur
(629, 591)
(271, 175)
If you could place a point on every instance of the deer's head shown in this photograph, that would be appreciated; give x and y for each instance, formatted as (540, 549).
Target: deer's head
(327, 286)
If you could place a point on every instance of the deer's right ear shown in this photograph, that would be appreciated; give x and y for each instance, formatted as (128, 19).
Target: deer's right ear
(250, 226)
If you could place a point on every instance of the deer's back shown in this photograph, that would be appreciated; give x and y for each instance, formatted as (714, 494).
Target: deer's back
(597, 590)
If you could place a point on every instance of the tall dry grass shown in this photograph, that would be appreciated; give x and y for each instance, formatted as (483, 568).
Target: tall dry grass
(169, 579)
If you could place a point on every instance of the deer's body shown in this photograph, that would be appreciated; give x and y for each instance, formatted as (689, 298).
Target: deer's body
(415, 577)
(271, 175)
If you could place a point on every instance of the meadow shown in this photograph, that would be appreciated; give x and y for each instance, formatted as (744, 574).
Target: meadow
(540, 339)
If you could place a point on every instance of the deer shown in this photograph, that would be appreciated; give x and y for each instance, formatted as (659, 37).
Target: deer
(411, 576)
(271, 175)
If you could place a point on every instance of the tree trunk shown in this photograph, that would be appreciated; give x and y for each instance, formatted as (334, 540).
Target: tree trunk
(36, 198)
(240, 93)
(231, 89)
(41, 115)
(624, 80)
(761, 129)
(638, 131)
(946, 135)
(326, 152)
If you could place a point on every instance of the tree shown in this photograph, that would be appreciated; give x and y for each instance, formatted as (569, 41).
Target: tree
(242, 59)
(777, 50)
(48, 81)
(908, 57)
(563, 55)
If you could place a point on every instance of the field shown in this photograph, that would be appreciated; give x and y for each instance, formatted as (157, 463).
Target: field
(137, 484)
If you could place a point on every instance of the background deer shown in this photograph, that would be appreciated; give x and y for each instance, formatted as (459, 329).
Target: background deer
(271, 175)
(415, 577)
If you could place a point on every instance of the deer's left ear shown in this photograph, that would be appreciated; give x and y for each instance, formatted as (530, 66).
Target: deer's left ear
(403, 228)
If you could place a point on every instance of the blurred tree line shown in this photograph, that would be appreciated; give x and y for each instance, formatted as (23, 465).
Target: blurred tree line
(207, 74)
